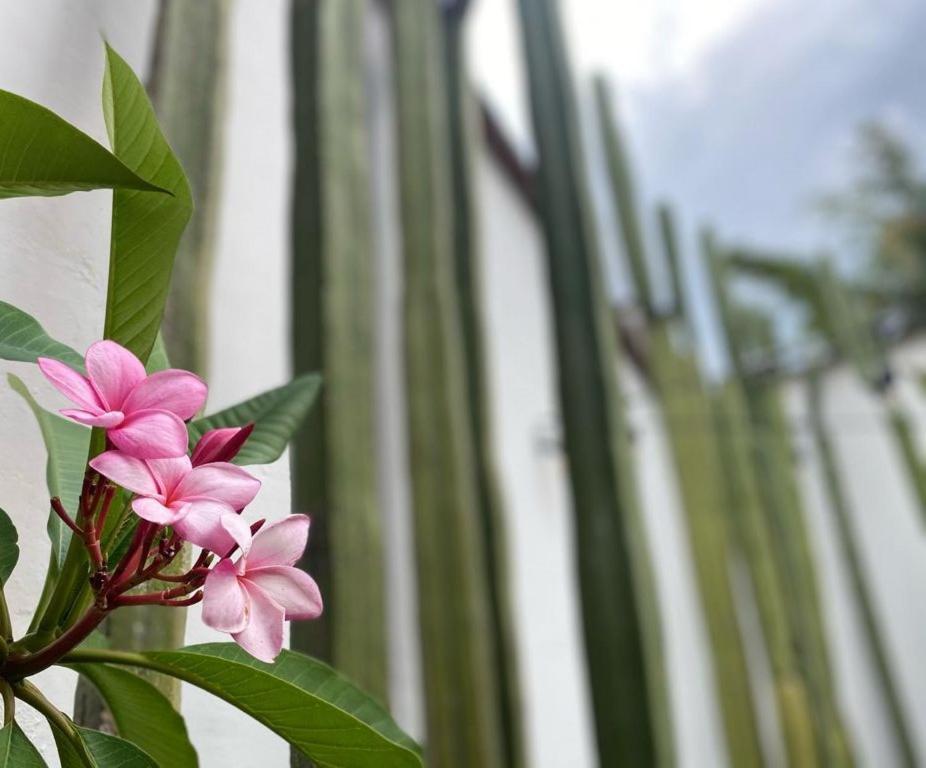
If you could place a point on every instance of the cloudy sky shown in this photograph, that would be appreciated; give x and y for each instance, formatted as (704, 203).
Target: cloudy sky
(740, 112)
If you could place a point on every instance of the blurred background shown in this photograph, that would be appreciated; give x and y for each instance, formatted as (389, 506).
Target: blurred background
(621, 457)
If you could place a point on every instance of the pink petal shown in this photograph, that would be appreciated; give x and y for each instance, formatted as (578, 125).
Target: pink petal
(220, 444)
(169, 472)
(105, 420)
(203, 526)
(221, 481)
(290, 588)
(154, 511)
(239, 530)
(263, 636)
(151, 435)
(114, 372)
(179, 392)
(226, 606)
(127, 471)
(280, 543)
(71, 384)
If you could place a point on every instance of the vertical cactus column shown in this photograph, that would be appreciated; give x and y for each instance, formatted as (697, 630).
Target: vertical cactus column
(334, 469)
(187, 84)
(804, 668)
(464, 145)
(689, 426)
(590, 402)
(842, 517)
(462, 699)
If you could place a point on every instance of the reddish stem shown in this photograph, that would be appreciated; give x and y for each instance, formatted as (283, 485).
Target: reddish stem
(59, 509)
(17, 669)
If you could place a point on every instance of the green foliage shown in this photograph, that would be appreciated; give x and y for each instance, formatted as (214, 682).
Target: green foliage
(146, 226)
(95, 749)
(44, 155)
(16, 751)
(23, 339)
(303, 700)
(66, 445)
(142, 715)
(9, 549)
(276, 414)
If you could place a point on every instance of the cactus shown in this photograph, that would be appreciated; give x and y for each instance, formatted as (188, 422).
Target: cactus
(687, 419)
(187, 85)
(462, 697)
(464, 144)
(613, 621)
(784, 534)
(334, 461)
(842, 517)
(813, 286)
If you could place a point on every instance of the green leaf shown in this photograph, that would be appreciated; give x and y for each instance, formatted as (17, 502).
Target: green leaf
(276, 414)
(102, 750)
(45, 155)
(142, 715)
(23, 339)
(301, 699)
(146, 226)
(157, 360)
(9, 550)
(66, 444)
(16, 751)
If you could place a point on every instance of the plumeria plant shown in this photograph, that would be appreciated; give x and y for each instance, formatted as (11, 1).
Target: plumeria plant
(139, 484)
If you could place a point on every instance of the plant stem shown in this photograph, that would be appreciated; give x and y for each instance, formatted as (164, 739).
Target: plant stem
(19, 668)
(57, 719)
(6, 627)
(9, 702)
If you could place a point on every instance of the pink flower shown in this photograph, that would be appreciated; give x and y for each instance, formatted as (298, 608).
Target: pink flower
(143, 415)
(252, 598)
(220, 444)
(201, 503)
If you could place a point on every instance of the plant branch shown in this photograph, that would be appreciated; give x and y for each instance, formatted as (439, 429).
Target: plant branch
(21, 667)
(28, 693)
(9, 702)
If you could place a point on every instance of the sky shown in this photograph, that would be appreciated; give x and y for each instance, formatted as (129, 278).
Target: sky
(741, 113)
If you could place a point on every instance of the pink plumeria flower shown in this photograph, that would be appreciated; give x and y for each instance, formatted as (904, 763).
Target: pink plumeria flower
(252, 598)
(220, 444)
(143, 415)
(201, 503)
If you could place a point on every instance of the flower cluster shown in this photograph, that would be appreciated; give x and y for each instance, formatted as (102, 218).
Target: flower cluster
(198, 498)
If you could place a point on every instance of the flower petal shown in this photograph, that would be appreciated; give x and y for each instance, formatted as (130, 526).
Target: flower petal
(280, 543)
(239, 530)
(290, 588)
(203, 526)
(221, 481)
(114, 372)
(263, 636)
(179, 392)
(151, 435)
(226, 605)
(105, 420)
(220, 444)
(71, 384)
(154, 511)
(127, 471)
(168, 473)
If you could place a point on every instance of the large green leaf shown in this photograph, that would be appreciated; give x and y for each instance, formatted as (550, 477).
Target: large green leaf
(16, 751)
(146, 226)
(23, 339)
(66, 444)
(102, 751)
(9, 549)
(276, 414)
(142, 715)
(45, 155)
(301, 699)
